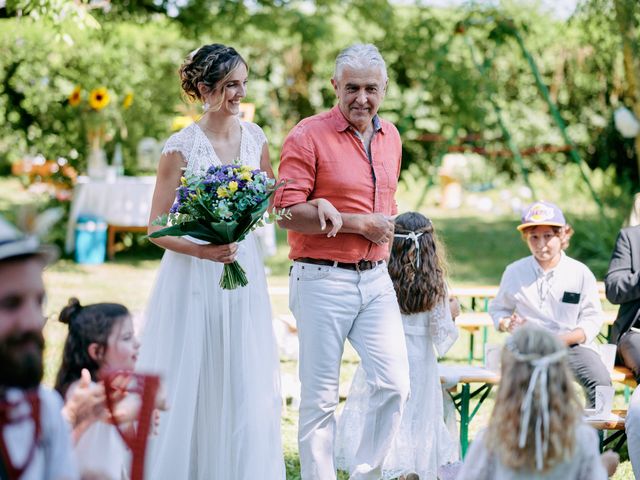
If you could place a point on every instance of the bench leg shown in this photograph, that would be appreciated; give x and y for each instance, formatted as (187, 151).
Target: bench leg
(485, 335)
(465, 397)
(471, 347)
(111, 243)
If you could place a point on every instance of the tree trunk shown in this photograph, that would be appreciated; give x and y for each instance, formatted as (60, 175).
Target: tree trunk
(625, 14)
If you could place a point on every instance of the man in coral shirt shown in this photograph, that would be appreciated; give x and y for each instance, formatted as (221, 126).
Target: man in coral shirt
(342, 169)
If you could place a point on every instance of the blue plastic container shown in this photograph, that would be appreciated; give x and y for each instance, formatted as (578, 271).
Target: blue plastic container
(91, 239)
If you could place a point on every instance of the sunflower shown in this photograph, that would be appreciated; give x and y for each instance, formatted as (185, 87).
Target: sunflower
(99, 98)
(128, 100)
(76, 96)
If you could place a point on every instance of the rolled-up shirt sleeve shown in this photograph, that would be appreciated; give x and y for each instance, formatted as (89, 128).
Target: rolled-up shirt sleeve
(297, 169)
(590, 318)
(504, 304)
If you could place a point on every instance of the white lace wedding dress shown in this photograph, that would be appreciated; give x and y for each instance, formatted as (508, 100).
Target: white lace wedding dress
(423, 442)
(216, 352)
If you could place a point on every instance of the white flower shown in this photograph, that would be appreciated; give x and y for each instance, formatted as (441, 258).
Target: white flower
(626, 123)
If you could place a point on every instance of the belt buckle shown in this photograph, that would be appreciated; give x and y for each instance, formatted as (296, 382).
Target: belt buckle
(362, 265)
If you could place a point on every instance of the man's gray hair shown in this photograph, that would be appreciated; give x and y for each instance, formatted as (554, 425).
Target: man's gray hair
(359, 56)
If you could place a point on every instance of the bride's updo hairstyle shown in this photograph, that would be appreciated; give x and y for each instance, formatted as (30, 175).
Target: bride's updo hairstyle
(87, 325)
(210, 65)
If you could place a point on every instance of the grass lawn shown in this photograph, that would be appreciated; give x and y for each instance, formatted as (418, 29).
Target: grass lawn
(478, 249)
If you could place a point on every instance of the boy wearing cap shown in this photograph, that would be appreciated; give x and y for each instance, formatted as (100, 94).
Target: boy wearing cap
(554, 291)
(35, 442)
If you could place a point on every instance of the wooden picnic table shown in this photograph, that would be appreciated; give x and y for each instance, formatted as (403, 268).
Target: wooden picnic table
(485, 293)
(472, 322)
(615, 424)
(468, 375)
(465, 375)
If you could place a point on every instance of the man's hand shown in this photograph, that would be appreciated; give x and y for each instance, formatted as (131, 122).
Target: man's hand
(85, 404)
(378, 228)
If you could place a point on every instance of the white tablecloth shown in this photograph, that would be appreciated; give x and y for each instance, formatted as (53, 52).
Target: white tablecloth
(124, 201)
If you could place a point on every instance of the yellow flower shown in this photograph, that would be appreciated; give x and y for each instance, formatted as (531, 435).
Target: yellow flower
(76, 96)
(128, 100)
(99, 98)
(245, 168)
(246, 176)
(183, 181)
(222, 192)
(233, 186)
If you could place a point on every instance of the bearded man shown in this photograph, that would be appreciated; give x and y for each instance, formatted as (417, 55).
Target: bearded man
(35, 441)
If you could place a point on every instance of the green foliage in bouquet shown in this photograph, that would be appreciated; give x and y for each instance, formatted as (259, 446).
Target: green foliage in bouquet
(220, 206)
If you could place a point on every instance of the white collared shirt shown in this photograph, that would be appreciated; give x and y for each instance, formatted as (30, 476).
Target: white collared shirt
(560, 300)
(54, 458)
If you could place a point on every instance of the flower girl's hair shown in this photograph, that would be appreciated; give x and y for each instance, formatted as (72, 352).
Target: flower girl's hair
(417, 264)
(87, 324)
(534, 419)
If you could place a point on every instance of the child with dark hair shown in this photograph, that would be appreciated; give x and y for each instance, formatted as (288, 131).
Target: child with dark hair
(423, 443)
(100, 339)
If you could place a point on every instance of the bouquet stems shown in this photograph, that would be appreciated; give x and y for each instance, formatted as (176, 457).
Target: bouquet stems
(233, 276)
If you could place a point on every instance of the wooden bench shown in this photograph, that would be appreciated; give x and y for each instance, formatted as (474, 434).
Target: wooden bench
(485, 293)
(623, 375)
(472, 322)
(111, 236)
(617, 425)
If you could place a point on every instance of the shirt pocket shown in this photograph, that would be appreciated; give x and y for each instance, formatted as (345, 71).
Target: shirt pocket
(390, 179)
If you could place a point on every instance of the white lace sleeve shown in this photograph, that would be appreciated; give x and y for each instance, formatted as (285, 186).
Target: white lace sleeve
(256, 133)
(441, 327)
(180, 143)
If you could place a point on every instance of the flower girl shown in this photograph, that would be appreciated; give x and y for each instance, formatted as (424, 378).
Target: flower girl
(536, 428)
(423, 442)
(100, 339)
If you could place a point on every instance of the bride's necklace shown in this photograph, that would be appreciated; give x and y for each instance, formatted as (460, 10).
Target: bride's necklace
(236, 157)
(219, 132)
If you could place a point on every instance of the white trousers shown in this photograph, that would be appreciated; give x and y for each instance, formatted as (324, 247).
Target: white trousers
(332, 304)
(632, 427)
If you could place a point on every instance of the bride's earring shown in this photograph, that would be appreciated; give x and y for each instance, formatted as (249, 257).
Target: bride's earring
(205, 107)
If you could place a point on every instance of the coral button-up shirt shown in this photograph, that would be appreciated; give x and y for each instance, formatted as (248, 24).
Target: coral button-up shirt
(324, 157)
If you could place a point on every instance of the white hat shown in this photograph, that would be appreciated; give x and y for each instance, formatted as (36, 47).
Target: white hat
(13, 243)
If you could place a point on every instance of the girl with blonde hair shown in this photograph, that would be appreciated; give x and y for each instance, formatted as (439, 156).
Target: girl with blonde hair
(536, 429)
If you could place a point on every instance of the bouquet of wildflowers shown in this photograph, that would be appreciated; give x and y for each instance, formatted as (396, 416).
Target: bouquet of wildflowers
(221, 206)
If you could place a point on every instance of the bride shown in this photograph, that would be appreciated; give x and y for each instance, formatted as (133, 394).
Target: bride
(214, 348)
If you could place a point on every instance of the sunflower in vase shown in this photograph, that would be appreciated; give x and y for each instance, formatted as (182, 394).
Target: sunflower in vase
(102, 115)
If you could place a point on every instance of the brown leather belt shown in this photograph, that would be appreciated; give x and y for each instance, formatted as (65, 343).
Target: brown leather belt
(361, 265)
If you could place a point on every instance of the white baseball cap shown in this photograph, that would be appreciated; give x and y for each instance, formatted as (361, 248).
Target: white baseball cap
(14, 243)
